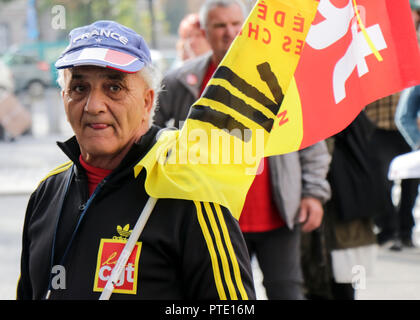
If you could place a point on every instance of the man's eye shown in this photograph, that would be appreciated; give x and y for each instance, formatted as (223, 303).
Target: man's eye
(219, 26)
(114, 89)
(78, 89)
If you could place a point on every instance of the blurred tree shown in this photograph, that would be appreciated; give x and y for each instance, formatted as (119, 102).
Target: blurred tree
(174, 11)
(133, 14)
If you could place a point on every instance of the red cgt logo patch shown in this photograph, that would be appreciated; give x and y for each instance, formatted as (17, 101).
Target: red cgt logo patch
(108, 254)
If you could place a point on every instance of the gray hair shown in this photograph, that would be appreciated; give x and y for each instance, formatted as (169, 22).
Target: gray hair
(151, 75)
(210, 4)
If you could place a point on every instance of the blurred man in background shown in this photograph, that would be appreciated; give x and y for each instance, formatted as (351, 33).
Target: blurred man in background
(192, 40)
(221, 21)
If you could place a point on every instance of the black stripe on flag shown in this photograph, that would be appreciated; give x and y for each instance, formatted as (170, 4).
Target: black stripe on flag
(220, 120)
(247, 89)
(222, 95)
(268, 76)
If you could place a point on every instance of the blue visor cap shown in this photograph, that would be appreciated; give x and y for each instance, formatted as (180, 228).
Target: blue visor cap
(106, 44)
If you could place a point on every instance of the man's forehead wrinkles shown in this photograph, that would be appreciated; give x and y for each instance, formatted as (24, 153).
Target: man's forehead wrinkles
(79, 73)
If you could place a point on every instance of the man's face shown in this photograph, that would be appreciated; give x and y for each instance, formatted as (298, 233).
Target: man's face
(223, 25)
(195, 42)
(108, 110)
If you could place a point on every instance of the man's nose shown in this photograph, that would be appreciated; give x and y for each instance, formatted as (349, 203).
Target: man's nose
(96, 102)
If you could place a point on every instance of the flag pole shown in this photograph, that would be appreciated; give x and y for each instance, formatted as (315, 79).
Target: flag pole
(128, 248)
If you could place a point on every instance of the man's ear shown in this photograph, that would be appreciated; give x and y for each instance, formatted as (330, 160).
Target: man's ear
(66, 74)
(149, 98)
(203, 32)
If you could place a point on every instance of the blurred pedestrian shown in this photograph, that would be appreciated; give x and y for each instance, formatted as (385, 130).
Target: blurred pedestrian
(347, 239)
(407, 116)
(78, 219)
(395, 221)
(192, 41)
(285, 199)
(222, 21)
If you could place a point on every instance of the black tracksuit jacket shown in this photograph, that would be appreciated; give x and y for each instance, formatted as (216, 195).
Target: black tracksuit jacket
(188, 250)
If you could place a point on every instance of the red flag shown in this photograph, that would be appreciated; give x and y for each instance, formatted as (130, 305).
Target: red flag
(338, 73)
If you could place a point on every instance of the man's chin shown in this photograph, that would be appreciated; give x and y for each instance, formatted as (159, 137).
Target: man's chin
(100, 147)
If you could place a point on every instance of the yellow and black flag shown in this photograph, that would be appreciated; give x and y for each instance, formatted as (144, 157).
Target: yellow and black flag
(215, 157)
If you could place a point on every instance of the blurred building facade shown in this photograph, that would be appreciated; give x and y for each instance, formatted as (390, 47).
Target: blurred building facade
(12, 23)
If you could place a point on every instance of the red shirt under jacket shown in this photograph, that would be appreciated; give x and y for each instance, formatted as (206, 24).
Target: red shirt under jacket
(210, 71)
(95, 175)
(260, 212)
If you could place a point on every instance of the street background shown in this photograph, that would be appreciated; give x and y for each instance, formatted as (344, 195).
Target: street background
(25, 161)
(32, 34)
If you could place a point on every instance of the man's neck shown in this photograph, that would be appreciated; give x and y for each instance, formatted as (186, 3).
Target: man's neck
(94, 175)
(216, 60)
(107, 162)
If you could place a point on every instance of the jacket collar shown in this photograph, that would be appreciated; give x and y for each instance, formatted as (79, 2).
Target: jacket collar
(192, 73)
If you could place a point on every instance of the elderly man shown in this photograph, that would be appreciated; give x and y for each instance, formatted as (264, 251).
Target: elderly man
(288, 196)
(82, 213)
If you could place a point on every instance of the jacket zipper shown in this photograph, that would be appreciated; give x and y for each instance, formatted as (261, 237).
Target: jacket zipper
(83, 207)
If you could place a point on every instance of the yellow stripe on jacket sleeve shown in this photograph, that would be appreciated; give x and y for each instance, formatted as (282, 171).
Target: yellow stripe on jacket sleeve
(232, 254)
(212, 251)
(222, 252)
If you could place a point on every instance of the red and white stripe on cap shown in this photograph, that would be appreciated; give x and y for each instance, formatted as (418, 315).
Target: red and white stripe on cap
(101, 57)
(108, 56)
